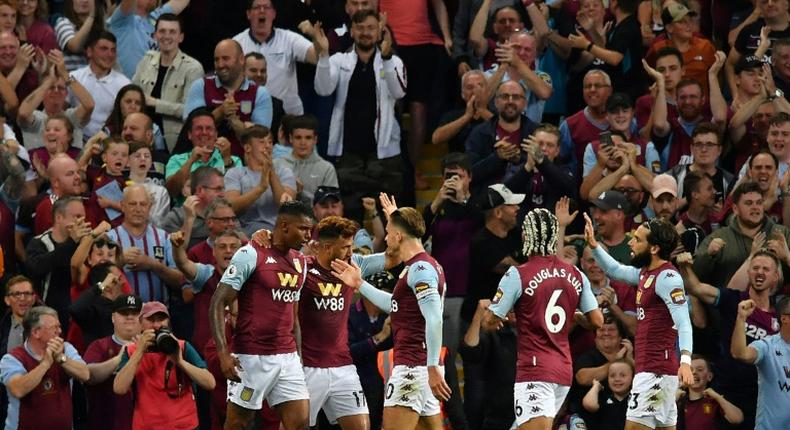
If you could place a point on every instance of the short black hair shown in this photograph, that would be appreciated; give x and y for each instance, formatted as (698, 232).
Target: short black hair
(692, 183)
(764, 152)
(628, 6)
(661, 233)
(255, 55)
(668, 51)
(105, 35)
(361, 15)
(304, 122)
(707, 128)
(295, 208)
(170, 17)
(458, 160)
(745, 187)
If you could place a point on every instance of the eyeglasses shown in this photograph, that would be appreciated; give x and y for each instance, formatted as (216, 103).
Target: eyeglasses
(105, 243)
(19, 294)
(628, 191)
(595, 86)
(704, 145)
(514, 97)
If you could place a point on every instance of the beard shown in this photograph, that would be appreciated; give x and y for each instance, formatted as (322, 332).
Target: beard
(508, 116)
(751, 224)
(641, 260)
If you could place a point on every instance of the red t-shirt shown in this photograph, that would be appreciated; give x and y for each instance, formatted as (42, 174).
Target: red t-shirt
(98, 178)
(702, 414)
(409, 22)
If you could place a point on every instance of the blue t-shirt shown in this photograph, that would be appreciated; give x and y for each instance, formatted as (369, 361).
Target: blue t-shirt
(773, 380)
(134, 34)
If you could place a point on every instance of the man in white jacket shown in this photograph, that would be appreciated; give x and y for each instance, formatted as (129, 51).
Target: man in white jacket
(367, 81)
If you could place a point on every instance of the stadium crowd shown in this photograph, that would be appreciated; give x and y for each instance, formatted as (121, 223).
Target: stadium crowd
(150, 146)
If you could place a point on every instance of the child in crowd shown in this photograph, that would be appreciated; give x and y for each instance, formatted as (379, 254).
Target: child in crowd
(140, 161)
(606, 406)
(702, 408)
(104, 203)
(283, 146)
(310, 169)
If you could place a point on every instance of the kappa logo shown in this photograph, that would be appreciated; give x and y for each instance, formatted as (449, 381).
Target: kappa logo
(421, 267)
(314, 272)
(270, 260)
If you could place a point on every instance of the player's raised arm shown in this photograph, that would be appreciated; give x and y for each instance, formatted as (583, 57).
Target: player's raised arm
(669, 287)
(351, 275)
(239, 270)
(609, 265)
(589, 305)
(507, 294)
(738, 347)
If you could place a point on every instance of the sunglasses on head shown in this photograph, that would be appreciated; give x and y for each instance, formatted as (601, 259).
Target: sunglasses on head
(105, 243)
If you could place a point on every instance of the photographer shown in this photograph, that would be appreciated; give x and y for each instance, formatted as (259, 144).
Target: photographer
(161, 403)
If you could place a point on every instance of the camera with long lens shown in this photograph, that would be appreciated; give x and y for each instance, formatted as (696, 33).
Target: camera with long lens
(164, 342)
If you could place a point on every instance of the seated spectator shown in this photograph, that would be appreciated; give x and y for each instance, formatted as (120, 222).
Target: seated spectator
(101, 81)
(58, 137)
(132, 21)
(542, 179)
(702, 407)
(165, 76)
(234, 100)
(147, 257)
(105, 408)
(49, 255)
(80, 22)
(201, 132)
(494, 146)
(606, 406)
(131, 99)
(516, 60)
(311, 171)
(699, 54)
(17, 65)
(173, 404)
(257, 189)
(706, 147)
(140, 164)
(456, 125)
(51, 94)
(207, 184)
(219, 217)
(33, 26)
(38, 374)
(92, 311)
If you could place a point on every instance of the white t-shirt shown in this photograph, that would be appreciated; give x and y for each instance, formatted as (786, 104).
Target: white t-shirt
(103, 90)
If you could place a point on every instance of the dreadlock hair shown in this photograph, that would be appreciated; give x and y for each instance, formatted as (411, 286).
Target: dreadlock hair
(539, 233)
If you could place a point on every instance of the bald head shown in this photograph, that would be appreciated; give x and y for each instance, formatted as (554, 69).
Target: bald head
(64, 176)
(228, 61)
(138, 126)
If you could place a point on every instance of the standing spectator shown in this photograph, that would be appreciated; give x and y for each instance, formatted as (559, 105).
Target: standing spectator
(38, 374)
(770, 356)
(706, 147)
(20, 64)
(106, 410)
(669, 62)
(283, 47)
(584, 126)
(166, 75)
(148, 259)
(367, 82)
(101, 81)
(494, 146)
(234, 100)
(421, 50)
(698, 220)
(774, 16)
(702, 407)
(206, 184)
(517, 60)
(448, 219)
(219, 217)
(340, 38)
(311, 171)
(609, 214)
(33, 27)
(698, 53)
(19, 297)
(505, 20)
(201, 132)
(52, 94)
(82, 21)
(257, 69)
(140, 163)
(780, 64)
(623, 50)
(49, 255)
(456, 125)
(663, 202)
(256, 190)
(92, 310)
(155, 405)
(131, 22)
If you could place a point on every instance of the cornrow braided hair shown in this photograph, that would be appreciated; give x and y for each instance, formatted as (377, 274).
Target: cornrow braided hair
(539, 233)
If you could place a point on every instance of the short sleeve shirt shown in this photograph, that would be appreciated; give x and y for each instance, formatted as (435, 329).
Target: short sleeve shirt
(134, 35)
(263, 212)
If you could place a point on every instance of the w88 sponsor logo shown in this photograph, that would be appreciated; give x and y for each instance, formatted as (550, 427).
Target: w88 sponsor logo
(330, 303)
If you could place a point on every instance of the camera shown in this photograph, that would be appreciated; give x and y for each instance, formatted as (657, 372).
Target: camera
(164, 341)
(447, 176)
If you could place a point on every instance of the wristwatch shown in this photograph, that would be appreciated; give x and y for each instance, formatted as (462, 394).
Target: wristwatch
(61, 359)
(778, 94)
(70, 80)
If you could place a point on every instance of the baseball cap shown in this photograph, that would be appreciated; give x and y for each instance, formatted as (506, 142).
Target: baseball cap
(750, 62)
(664, 184)
(153, 308)
(363, 239)
(609, 200)
(127, 301)
(326, 192)
(499, 194)
(618, 100)
(674, 12)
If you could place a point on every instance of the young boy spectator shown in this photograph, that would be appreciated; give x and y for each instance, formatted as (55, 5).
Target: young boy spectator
(606, 405)
(140, 161)
(104, 203)
(310, 169)
(702, 407)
